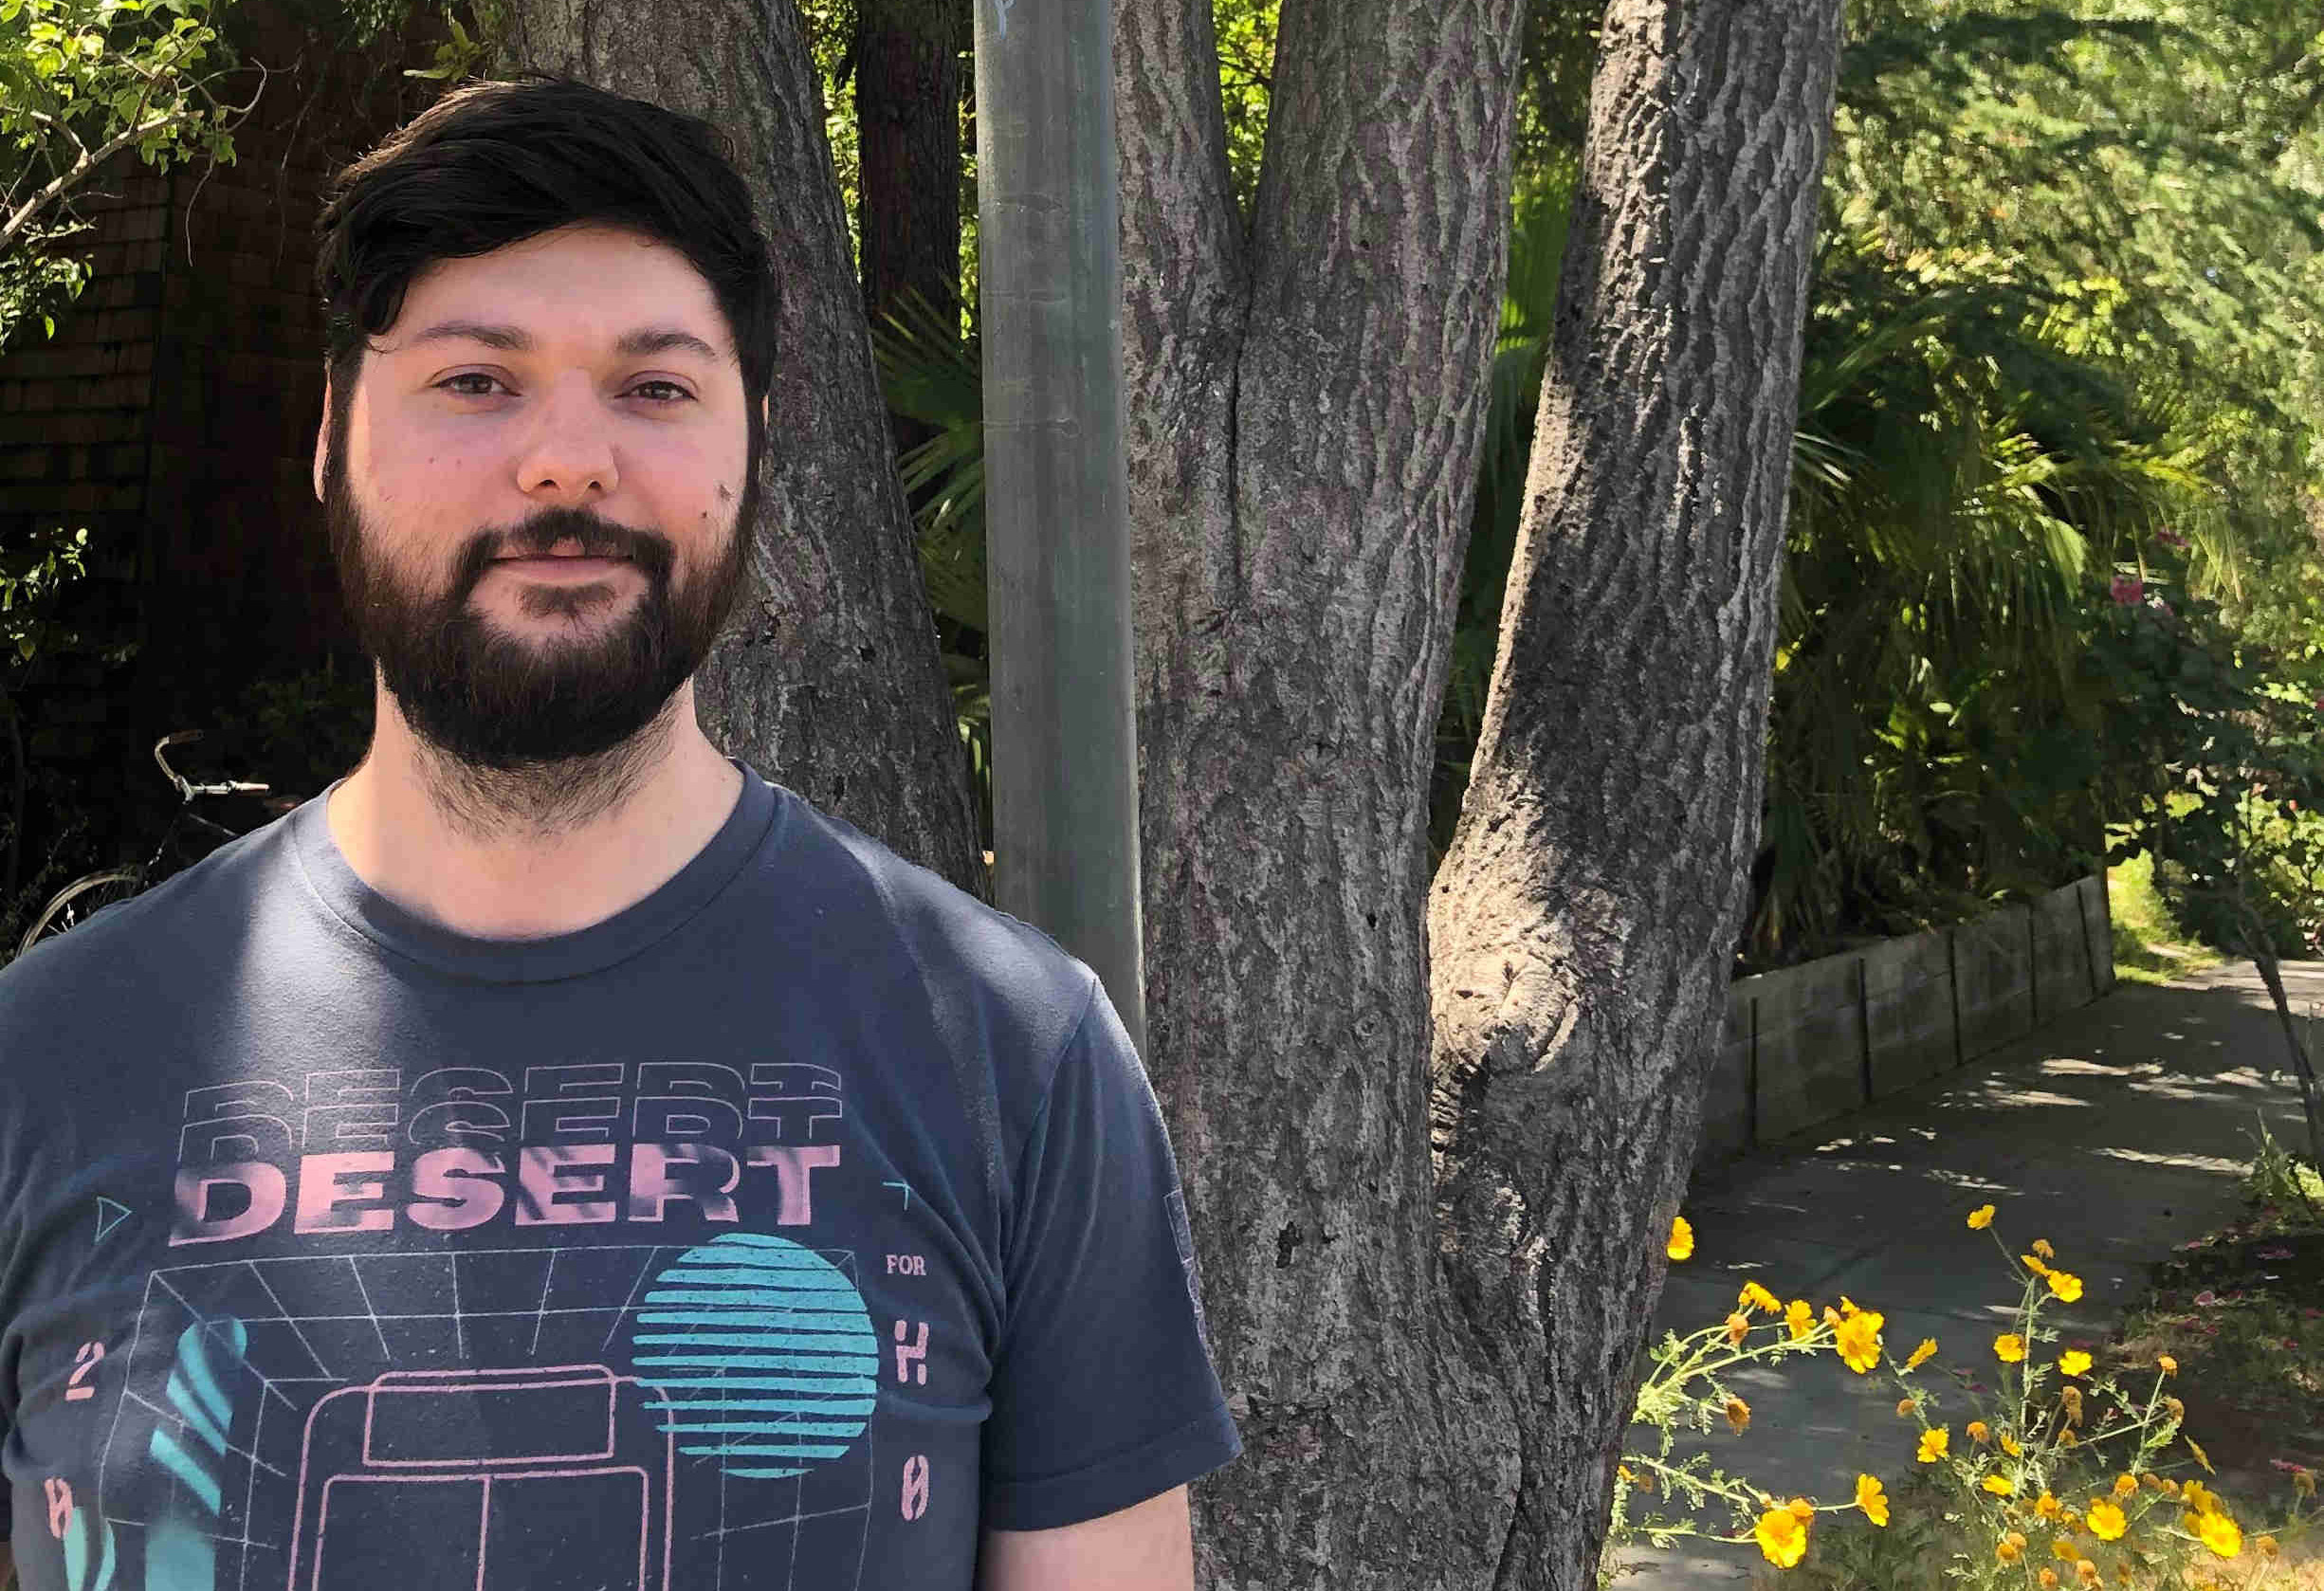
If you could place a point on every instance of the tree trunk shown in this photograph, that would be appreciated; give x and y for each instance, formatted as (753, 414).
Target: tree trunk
(1583, 921)
(828, 677)
(1304, 417)
(907, 120)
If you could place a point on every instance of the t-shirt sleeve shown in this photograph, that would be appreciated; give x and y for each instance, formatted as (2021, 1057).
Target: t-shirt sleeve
(1103, 1392)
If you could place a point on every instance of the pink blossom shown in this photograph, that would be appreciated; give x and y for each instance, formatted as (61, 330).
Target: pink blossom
(2170, 538)
(2128, 589)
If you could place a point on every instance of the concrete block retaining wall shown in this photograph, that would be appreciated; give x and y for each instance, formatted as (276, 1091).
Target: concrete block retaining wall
(1808, 1043)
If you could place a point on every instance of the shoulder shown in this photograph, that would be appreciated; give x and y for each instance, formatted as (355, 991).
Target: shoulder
(184, 932)
(976, 963)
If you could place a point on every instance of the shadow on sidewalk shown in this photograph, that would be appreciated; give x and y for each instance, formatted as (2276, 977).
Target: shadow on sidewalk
(2117, 1131)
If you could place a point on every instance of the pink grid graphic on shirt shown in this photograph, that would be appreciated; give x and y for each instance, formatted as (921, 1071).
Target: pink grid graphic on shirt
(367, 1332)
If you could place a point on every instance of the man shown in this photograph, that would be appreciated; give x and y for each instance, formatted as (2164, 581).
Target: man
(554, 1156)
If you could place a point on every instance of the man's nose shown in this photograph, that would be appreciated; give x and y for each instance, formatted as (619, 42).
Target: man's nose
(568, 448)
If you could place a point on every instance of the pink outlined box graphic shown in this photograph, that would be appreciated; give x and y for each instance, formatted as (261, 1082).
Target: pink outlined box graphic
(471, 1461)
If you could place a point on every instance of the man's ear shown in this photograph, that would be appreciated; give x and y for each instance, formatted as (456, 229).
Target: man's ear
(322, 434)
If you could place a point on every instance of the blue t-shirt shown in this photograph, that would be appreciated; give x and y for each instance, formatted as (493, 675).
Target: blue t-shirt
(781, 1231)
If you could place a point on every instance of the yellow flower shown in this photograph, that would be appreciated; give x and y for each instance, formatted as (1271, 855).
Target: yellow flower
(2125, 1485)
(1783, 1537)
(2010, 1547)
(2064, 1549)
(1905, 1407)
(2046, 1506)
(2042, 1247)
(1981, 1217)
(1858, 1341)
(2048, 1579)
(2198, 1497)
(1978, 1432)
(1921, 1355)
(2001, 1486)
(2009, 1445)
(2068, 1518)
(1738, 1414)
(1799, 1318)
(2220, 1533)
(2074, 1361)
(1738, 1326)
(1802, 1507)
(2009, 1347)
(2169, 1365)
(2106, 1521)
(1624, 1471)
(2066, 1285)
(1933, 1443)
(1874, 1503)
(2201, 1457)
(1682, 1239)
(2034, 1265)
(2087, 1572)
(1757, 1298)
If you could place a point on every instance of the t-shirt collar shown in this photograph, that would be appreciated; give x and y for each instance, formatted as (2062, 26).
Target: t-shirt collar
(343, 894)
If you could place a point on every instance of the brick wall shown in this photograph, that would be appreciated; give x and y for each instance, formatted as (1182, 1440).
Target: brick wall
(174, 412)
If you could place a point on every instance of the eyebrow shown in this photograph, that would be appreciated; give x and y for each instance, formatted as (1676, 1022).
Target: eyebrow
(515, 339)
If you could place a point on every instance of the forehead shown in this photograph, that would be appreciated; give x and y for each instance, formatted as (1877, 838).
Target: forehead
(583, 285)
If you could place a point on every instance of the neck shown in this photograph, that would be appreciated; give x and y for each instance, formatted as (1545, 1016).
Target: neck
(549, 850)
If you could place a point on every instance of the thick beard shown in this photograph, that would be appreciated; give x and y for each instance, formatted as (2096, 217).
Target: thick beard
(519, 737)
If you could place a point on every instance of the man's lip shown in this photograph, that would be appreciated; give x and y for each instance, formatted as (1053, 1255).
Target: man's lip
(559, 571)
(560, 557)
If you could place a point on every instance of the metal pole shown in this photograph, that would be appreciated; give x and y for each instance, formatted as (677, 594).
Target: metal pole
(1065, 766)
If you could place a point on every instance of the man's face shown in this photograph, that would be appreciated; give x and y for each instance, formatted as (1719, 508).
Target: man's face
(542, 495)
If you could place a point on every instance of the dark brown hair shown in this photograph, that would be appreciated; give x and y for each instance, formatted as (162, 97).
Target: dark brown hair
(494, 163)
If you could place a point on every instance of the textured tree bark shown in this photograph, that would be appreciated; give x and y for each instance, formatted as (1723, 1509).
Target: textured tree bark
(1583, 921)
(908, 118)
(1304, 417)
(828, 677)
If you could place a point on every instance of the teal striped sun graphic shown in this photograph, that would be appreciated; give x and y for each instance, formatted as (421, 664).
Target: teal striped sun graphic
(761, 1353)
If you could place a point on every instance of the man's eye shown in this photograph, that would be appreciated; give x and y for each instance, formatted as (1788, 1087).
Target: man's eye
(664, 392)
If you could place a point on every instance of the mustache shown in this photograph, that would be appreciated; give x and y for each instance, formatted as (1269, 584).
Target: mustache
(538, 535)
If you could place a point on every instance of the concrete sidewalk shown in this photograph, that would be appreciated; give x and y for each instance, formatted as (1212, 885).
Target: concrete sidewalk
(2116, 1132)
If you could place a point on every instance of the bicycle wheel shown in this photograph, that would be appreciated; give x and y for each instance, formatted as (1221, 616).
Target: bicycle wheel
(80, 901)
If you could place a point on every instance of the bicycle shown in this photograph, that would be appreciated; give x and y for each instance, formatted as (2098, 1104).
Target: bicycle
(84, 897)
